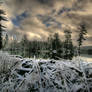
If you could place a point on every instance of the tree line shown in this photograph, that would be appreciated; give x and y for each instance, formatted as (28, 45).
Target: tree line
(52, 48)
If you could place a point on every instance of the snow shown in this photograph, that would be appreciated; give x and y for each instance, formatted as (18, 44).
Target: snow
(7, 62)
(40, 75)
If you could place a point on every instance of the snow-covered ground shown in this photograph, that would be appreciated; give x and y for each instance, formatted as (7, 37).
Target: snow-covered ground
(39, 75)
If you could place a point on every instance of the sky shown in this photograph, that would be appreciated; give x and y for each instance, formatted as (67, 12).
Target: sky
(40, 18)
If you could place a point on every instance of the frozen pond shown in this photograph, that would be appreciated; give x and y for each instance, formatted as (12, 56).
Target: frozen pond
(87, 58)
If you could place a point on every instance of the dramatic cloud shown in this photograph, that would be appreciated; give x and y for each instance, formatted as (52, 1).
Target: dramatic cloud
(40, 18)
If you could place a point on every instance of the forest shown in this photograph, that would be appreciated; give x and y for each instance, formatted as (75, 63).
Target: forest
(53, 47)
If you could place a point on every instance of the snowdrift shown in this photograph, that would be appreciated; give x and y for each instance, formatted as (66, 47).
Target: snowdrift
(32, 75)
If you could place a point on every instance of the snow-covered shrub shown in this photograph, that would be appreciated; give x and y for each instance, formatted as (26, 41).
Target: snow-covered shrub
(49, 76)
(7, 62)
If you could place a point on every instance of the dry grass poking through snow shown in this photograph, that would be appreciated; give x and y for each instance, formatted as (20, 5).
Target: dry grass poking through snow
(7, 62)
(34, 75)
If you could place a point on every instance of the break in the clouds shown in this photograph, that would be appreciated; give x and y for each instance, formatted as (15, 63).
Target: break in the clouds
(40, 18)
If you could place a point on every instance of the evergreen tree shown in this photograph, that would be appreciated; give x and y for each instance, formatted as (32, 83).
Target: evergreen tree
(2, 18)
(49, 48)
(68, 50)
(34, 50)
(82, 33)
(55, 47)
(25, 46)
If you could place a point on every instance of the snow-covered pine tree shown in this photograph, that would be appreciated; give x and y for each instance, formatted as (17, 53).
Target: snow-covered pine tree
(68, 45)
(56, 46)
(2, 18)
(82, 33)
(24, 46)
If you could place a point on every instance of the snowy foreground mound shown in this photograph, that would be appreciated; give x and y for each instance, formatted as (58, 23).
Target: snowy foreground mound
(33, 75)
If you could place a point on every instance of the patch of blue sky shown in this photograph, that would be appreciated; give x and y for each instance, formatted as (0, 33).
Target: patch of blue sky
(49, 21)
(17, 20)
(64, 9)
